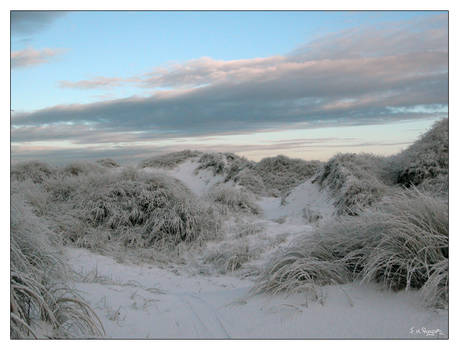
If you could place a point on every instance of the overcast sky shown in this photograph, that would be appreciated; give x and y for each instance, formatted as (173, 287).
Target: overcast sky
(129, 85)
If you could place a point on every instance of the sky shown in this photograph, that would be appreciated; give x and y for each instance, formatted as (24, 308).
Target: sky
(307, 84)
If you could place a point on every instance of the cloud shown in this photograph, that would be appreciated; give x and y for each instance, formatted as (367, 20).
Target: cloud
(96, 83)
(422, 34)
(355, 77)
(31, 57)
(31, 22)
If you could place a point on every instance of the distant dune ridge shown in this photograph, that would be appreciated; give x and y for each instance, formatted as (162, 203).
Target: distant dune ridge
(290, 225)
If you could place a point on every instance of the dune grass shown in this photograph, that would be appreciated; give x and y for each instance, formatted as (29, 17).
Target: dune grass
(281, 174)
(355, 180)
(426, 159)
(401, 243)
(132, 208)
(169, 160)
(233, 200)
(41, 304)
(34, 171)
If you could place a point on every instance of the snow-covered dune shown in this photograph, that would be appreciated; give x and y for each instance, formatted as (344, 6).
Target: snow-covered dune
(199, 246)
(146, 301)
(143, 301)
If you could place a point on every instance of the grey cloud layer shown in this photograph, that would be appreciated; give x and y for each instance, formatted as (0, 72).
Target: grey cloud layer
(349, 78)
(31, 57)
(30, 22)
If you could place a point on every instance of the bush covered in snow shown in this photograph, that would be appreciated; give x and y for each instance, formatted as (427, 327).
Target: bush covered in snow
(41, 304)
(355, 180)
(426, 159)
(402, 242)
(169, 160)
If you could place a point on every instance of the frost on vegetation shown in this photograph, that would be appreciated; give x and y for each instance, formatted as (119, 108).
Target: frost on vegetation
(41, 304)
(233, 199)
(236, 249)
(108, 163)
(426, 162)
(83, 168)
(229, 257)
(139, 210)
(354, 180)
(35, 171)
(281, 174)
(271, 176)
(402, 243)
(169, 160)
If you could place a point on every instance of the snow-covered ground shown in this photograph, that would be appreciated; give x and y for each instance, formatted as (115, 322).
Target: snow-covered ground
(141, 301)
(146, 301)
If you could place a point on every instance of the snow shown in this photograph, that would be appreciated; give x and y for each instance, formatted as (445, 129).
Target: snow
(147, 301)
(299, 204)
(199, 183)
(140, 301)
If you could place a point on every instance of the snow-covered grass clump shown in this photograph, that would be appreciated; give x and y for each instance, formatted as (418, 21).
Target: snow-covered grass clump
(281, 174)
(42, 305)
(233, 199)
(82, 168)
(426, 162)
(35, 171)
(271, 176)
(227, 164)
(233, 168)
(169, 160)
(402, 242)
(133, 208)
(355, 180)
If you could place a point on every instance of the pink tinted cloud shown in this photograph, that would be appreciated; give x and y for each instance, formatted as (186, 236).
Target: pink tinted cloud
(95, 83)
(32, 57)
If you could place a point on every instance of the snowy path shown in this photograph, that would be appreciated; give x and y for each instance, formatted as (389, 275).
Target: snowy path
(140, 301)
